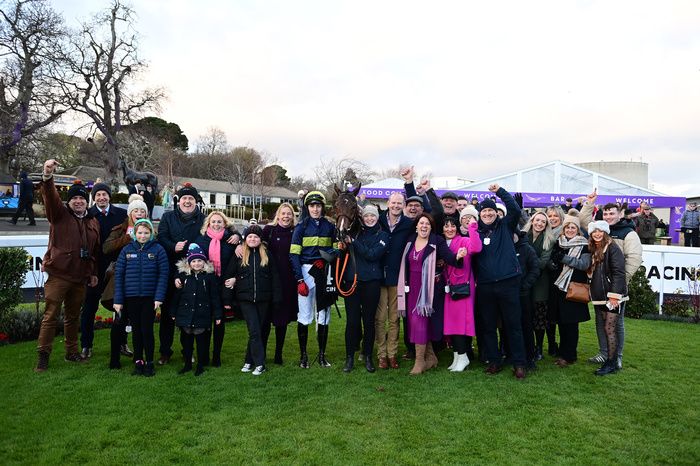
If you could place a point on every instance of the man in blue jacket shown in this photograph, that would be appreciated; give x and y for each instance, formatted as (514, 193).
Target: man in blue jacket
(26, 199)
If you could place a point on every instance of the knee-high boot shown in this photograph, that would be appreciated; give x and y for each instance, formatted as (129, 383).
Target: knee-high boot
(431, 359)
(322, 341)
(280, 335)
(303, 334)
(419, 364)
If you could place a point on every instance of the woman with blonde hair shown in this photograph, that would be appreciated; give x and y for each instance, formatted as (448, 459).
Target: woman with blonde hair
(278, 237)
(218, 239)
(542, 239)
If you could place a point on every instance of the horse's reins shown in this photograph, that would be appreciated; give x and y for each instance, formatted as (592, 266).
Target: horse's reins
(350, 254)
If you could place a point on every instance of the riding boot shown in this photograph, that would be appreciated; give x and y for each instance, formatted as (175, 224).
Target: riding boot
(303, 334)
(430, 359)
(280, 334)
(349, 363)
(419, 364)
(322, 340)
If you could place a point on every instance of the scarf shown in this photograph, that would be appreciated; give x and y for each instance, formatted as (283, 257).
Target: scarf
(575, 246)
(424, 303)
(215, 249)
(186, 217)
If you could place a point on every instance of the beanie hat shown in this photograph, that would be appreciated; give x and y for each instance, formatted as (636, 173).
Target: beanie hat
(101, 187)
(77, 189)
(195, 252)
(469, 210)
(136, 202)
(568, 218)
(253, 229)
(370, 209)
(601, 225)
(488, 203)
(187, 190)
(146, 222)
(501, 207)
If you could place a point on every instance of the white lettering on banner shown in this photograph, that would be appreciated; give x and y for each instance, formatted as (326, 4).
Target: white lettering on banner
(634, 200)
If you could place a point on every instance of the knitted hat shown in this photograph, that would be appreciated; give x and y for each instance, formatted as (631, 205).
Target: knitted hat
(253, 229)
(187, 190)
(501, 207)
(195, 252)
(146, 222)
(101, 187)
(77, 189)
(488, 203)
(601, 225)
(136, 202)
(415, 199)
(449, 195)
(370, 209)
(568, 218)
(469, 210)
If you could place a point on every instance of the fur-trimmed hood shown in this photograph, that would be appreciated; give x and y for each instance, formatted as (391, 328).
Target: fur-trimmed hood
(184, 267)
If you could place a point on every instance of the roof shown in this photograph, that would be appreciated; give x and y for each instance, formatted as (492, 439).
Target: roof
(86, 173)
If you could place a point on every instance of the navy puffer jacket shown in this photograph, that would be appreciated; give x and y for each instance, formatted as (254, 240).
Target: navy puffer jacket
(370, 246)
(141, 271)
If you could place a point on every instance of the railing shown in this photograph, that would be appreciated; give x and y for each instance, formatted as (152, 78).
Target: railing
(230, 210)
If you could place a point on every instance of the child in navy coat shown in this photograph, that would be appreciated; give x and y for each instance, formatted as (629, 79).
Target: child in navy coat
(140, 283)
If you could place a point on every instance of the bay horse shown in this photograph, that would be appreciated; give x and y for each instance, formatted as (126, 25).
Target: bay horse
(347, 223)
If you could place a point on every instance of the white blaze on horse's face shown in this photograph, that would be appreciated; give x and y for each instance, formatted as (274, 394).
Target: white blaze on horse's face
(341, 224)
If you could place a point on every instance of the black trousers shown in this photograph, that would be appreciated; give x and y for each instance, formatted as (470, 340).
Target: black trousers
(691, 239)
(166, 331)
(255, 314)
(26, 206)
(568, 341)
(526, 307)
(187, 340)
(87, 315)
(142, 315)
(361, 308)
(502, 298)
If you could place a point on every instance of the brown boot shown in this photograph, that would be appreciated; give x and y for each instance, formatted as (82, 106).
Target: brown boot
(430, 359)
(43, 362)
(419, 366)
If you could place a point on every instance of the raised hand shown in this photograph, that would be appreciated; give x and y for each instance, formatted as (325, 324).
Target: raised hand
(493, 187)
(50, 166)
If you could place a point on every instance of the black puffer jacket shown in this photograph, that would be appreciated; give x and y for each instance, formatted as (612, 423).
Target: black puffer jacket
(173, 228)
(254, 282)
(198, 302)
(529, 263)
(608, 277)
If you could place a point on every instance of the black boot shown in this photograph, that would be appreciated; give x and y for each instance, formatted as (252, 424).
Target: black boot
(369, 364)
(349, 363)
(322, 340)
(608, 367)
(187, 367)
(199, 371)
(149, 370)
(280, 334)
(303, 334)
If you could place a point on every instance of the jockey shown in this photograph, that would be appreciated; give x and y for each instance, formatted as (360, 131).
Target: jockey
(311, 236)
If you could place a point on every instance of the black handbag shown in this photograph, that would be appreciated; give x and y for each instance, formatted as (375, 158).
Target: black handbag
(460, 291)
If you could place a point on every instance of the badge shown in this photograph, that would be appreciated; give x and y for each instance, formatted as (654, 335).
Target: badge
(487, 241)
(128, 329)
(406, 289)
(447, 288)
(151, 256)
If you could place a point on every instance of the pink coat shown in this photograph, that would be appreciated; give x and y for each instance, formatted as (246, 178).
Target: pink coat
(459, 315)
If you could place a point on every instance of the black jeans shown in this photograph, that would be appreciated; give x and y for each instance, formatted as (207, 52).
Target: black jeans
(87, 315)
(142, 315)
(166, 331)
(361, 308)
(255, 314)
(526, 307)
(568, 341)
(691, 239)
(24, 205)
(187, 340)
(501, 298)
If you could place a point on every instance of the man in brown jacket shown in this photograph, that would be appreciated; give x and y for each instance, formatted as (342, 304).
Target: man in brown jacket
(70, 262)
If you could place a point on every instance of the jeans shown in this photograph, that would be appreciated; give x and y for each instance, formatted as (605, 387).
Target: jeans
(619, 331)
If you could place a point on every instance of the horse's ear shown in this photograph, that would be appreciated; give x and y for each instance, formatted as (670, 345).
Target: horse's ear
(357, 190)
(335, 187)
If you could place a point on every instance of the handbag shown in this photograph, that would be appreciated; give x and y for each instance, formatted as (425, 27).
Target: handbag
(460, 291)
(578, 292)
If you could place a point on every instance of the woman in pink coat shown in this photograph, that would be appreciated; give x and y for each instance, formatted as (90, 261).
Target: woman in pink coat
(459, 314)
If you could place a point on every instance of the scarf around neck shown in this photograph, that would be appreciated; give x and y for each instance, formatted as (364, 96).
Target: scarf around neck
(575, 246)
(215, 248)
(424, 303)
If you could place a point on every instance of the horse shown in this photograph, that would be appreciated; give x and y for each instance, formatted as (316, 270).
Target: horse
(347, 223)
(132, 177)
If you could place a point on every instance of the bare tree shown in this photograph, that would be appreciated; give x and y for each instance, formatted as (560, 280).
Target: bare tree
(341, 171)
(32, 36)
(213, 142)
(105, 59)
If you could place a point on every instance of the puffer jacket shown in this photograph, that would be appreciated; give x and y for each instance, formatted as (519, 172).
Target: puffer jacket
(608, 278)
(254, 283)
(198, 302)
(690, 219)
(529, 263)
(369, 247)
(141, 270)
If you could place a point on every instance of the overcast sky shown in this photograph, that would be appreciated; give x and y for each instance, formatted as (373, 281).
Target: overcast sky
(457, 88)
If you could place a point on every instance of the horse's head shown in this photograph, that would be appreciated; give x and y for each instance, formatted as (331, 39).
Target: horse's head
(347, 212)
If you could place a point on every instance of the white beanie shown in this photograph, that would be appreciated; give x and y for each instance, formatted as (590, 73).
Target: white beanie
(500, 206)
(601, 225)
(136, 202)
(469, 210)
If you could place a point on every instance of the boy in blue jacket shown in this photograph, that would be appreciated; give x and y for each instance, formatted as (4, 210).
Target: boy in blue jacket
(140, 283)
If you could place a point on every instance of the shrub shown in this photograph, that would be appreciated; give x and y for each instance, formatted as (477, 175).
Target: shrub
(22, 325)
(14, 267)
(642, 298)
(677, 306)
(664, 317)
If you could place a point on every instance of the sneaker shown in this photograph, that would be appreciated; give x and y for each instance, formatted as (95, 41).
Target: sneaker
(138, 368)
(74, 357)
(619, 362)
(598, 358)
(43, 362)
(247, 367)
(86, 353)
(164, 359)
(125, 351)
(259, 370)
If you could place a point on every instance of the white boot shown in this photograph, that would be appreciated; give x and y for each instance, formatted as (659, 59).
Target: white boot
(454, 361)
(462, 363)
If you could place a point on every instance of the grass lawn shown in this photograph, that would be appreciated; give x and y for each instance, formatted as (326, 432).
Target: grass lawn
(649, 413)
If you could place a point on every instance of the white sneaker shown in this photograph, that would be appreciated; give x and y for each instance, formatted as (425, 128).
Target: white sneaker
(454, 361)
(247, 367)
(259, 370)
(462, 363)
(599, 358)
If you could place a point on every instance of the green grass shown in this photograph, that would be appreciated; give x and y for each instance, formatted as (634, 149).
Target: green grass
(649, 413)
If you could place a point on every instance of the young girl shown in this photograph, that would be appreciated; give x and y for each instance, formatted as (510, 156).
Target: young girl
(196, 304)
(254, 281)
(608, 286)
(140, 283)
